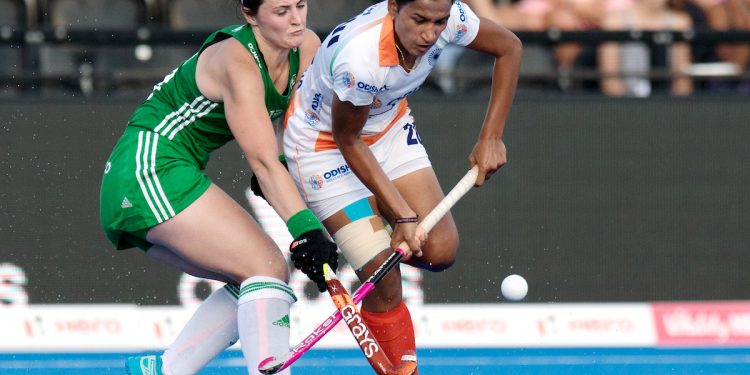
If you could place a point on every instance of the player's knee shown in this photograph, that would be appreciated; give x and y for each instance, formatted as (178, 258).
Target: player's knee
(271, 264)
(360, 241)
(440, 263)
(441, 254)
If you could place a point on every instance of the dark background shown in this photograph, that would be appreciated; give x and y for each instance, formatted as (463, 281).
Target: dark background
(602, 200)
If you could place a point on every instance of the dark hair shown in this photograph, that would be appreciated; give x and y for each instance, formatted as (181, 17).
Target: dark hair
(401, 3)
(252, 5)
(676, 4)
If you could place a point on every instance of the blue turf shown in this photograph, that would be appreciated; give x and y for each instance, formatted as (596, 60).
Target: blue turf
(725, 361)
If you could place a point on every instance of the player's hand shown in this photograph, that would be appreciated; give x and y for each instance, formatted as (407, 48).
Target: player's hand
(255, 185)
(309, 251)
(407, 232)
(490, 155)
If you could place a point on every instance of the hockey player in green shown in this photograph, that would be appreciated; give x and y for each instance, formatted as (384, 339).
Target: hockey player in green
(155, 196)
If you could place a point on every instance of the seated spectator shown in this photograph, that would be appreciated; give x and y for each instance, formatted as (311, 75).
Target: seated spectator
(626, 67)
(504, 12)
(573, 15)
(508, 13)
(729, 15)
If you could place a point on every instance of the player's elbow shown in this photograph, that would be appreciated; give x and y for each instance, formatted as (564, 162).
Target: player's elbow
(511, 47)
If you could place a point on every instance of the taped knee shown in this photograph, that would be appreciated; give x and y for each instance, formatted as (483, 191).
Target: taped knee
(360, 242)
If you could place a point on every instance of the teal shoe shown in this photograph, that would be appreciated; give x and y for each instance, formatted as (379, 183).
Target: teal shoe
(144, 365)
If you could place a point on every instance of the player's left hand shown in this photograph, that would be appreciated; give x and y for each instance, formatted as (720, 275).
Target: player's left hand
(490, 155)
(309, 251)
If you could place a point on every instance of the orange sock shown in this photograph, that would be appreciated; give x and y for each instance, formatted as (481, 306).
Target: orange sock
(394, 331)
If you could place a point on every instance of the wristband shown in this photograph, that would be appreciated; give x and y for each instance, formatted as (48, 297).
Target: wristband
(302, 222)
(402, 220)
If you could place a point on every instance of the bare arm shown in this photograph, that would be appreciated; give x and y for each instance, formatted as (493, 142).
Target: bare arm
(489, 152)
(347, 123)
(609, 61)
(681, 60)
(682, 84)
(241, 89)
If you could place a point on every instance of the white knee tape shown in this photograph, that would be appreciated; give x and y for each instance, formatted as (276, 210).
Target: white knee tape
(360, 243)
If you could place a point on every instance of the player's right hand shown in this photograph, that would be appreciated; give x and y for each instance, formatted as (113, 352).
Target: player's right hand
(310, 251)
(407, 232)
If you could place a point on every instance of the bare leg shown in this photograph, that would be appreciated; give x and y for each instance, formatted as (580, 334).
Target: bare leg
(216, 237)
(216, 234)
(422, 191)
(210, 330)
(383, 309)
(167, 256)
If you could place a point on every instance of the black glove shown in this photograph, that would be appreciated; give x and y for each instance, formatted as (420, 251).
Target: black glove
(309, 251)
(255, 185)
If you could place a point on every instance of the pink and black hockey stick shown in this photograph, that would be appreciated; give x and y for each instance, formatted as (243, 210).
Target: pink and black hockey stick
(273, 365)
(365, 339)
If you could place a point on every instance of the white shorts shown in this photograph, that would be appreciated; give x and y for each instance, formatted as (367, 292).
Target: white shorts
(328, 184)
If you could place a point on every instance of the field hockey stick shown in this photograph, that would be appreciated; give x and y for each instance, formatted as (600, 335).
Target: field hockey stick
(273, 365)
(367, 342)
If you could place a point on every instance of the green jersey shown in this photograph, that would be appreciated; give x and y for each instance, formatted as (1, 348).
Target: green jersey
(177, 110)
(155, 170)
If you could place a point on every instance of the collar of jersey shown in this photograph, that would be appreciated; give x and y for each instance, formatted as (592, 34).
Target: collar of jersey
(387, 46)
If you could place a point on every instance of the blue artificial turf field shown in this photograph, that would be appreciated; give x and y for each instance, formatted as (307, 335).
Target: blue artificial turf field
(568, 361)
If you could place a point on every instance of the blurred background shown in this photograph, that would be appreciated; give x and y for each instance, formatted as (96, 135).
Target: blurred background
(626, 183)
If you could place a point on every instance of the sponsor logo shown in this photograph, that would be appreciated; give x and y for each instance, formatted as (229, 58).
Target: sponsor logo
(372, 89)
(702, 323)
(461, 11)
(107, 167)
(148, 365)
(312, 118)
(275, 113)
(126, 203)
(252, 50)
(348, 80)
(292, 80)
(434, 55)
(283, 322)
(360, 331)
(461, 30)
(319, 331)
(337, 173)
(316, 101)
(316, 182)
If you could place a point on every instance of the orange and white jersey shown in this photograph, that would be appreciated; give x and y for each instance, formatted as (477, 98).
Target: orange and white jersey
(358, 62)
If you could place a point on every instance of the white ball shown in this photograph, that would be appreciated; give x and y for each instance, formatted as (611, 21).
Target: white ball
(514, 288)
(143, 52)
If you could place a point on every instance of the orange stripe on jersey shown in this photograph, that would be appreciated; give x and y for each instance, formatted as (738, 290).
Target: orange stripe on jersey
(290, 109)
(387, 46)
(325, 140)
